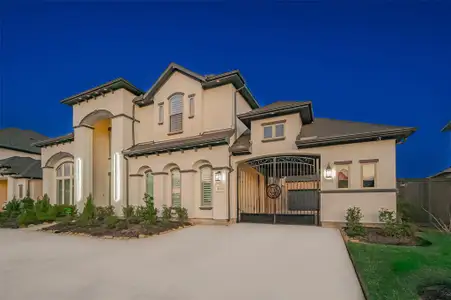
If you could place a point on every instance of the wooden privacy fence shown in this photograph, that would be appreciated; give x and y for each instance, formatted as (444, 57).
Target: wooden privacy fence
(434, 195)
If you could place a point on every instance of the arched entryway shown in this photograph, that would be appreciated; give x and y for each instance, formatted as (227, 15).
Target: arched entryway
(279, 189)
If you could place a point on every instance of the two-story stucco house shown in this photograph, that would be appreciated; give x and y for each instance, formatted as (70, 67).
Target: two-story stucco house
(20, 165)
(204, 143)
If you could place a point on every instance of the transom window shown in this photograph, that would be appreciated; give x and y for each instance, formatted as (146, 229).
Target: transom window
(271, 131)
(368, 175)
(176, 113)
(65, 183)
(176, 190)
(206, 185)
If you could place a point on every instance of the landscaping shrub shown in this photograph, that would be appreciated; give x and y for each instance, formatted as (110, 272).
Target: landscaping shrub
(27, 217)
(88, 215)
(166, 214)
(354, 226)
(63, 210)
(12, 208)
(182, 214)
(27, 203)
(47, 216)
(101, 213)
(394, 228)
(121, 225)
(111, 221)
(128, 211)
(150, 212)
(140, 212)
(42, 205)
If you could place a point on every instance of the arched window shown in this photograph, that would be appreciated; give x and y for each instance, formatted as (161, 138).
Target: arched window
(176, 191)
(206, 185)
(176, 113)
(65, 183)
(149, 183)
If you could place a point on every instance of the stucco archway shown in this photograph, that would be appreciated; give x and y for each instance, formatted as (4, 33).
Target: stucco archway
(56, 158)
(92, 118)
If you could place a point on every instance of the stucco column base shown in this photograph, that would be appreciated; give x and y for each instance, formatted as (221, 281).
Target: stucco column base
(83, 137)
(220, 195)
(159, 191)
(188, 192)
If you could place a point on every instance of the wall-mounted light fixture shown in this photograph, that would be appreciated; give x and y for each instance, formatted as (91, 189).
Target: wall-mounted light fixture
(329, 172)
(78, 177)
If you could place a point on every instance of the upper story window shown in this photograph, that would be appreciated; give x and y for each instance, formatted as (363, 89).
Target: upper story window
(191, 106)
(176, 113)
(274, 130)
(368, 174)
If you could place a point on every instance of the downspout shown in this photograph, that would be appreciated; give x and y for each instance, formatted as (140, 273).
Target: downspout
(234, 127)
(126, 181)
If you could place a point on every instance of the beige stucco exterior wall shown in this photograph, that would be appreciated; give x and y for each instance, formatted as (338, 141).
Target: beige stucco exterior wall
(36, 188)
(241, 107)
(188, 162)
(3, 192)
(6, 153)
(218, 108)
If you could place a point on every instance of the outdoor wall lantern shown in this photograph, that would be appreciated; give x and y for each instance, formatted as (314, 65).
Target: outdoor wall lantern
(218, 176)
(328, 172)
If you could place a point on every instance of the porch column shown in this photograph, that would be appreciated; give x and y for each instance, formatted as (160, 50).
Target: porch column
(159, 189)
(11, 188)
(220, 194)
(121, 139)
(187, 181)
(83, 181)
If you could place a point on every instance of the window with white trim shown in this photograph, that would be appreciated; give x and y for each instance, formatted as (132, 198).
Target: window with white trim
(176, 191)
(65, 183)
(176, 113)
(191, 106)
(206, 175)
(368, 175)
(274, 131)
(160, 113)
(343, 176)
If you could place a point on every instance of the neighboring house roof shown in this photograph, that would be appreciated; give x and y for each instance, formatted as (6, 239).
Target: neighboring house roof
(442, 174)
(54, 141)
(326, 132)
(20, 140)
(206, 139)
(21, 167)
(207, 82)
(447, 127)
(119, 83)
(279, 108)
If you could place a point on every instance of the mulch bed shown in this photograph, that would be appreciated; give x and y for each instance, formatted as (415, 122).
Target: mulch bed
(375, 236)
(133, 230)
(436, 292)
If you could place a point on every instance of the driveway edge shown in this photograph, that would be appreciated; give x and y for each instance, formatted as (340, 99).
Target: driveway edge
(359, 278)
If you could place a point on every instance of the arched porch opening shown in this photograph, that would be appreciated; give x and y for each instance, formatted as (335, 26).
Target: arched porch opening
(279, 189)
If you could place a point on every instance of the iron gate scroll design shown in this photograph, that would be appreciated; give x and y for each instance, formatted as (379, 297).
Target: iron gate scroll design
(279, 189)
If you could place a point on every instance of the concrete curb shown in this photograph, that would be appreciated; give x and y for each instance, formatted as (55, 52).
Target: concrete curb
(359, 278)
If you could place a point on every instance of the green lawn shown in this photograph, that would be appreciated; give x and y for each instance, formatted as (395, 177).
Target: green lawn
(395, 272)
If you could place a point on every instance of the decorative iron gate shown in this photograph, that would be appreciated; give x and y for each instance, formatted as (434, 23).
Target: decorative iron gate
(296, 201)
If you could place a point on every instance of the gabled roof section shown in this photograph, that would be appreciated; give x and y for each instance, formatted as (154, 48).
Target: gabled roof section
(54, 141)
(213, 138)
(207, 82)
(20, 140)
(442, 174)
(447, 127)
(279, 108)
(21, 167)
(242, 145)
(324, 132)
(113, 85)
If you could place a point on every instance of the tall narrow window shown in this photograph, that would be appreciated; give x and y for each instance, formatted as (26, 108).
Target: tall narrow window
(176, 188)
(149, 184)
(343, 177)
(206, 185)
(65, 183)
(368, 175)
(191, 107)
(160, 114)
(20, 191)
(176, 113)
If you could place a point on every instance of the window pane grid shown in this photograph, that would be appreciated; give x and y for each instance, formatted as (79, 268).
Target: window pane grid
(206, 186)
(176, 188)
(368, 175)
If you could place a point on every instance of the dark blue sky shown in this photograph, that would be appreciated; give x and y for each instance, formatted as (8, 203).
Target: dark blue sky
(381, 63)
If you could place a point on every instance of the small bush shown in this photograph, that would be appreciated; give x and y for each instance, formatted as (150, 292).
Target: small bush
(182, 214)
(128, 211)
(150, 212)
(89, 211)
(27, 204)
(121, 225)
(166, 214)
(394, 228)
(140, 212)
(47, 216)
(12, 208)
(111, 221)
(63, 210)
(43, 205)
(27, 217)
(354, 226)
(102, 213)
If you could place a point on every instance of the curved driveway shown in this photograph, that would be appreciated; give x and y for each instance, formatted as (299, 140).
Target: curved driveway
(242, 261)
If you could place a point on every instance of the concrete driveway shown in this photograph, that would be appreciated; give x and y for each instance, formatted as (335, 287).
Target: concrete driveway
(243, 261)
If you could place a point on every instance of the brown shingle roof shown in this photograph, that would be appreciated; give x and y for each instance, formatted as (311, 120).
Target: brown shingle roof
(21, 167)
(57, 140)
(206, 139)
(243, 144)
